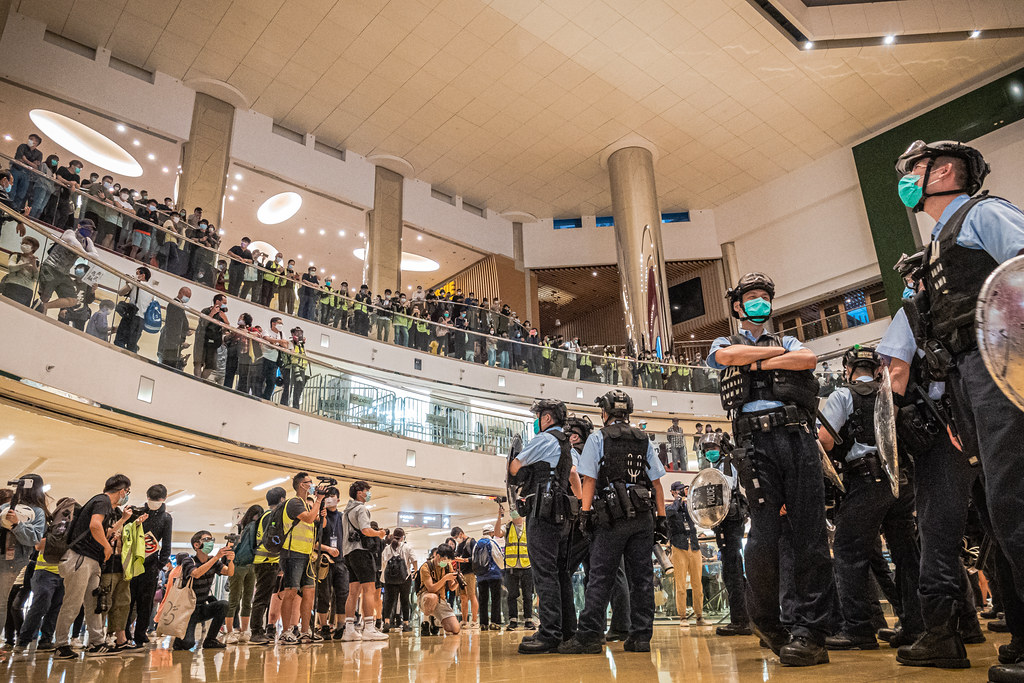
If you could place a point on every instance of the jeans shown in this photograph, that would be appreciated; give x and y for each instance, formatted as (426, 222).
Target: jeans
(47, 597)
(789, 469)
(401, 335)
(269, 378)
(519, 582)
(214, 612)
(489, 594)
(547, 545)
(22, 177)
(307, 306)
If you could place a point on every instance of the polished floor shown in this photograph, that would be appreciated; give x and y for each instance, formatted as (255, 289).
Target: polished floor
(695, 654)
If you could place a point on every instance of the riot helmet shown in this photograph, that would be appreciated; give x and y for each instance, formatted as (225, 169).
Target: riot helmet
(714, 445)
(975, 166)
(861, 356)
(581, 426)
(616, 403)
(747, 283)
(548, 405)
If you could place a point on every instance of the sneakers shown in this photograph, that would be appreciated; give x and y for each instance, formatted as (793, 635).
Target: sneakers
(308, 638)
(46, 647)
(288, 638)
(244, 637)
(351, 633)
(101, 650)
(326, 633)
(370, 632)
(577, 647)
(78, 642)
(733, 630)
(338, 632)
(65, 652)
(512, 626)
(637, 646)
(684, 622)
(231, 638)
(529, 626)
(407, 629)
(495, 627)
(474, 625)
(802, 651)
(700, 621)
(259, 639)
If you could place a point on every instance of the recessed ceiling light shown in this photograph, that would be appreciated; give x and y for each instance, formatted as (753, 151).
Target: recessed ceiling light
(323, 232)
(151, 156)
(136, 143)
(692, 336)
(228, 525)
(341, 233)
(120, 128)
(268, 484)
(279, 208)
(419, 238)
(594, 273)
(221, 232)
(809, 45)
(302, 231)
(234, 188)
(166, 170)
(231, 197)
(299, 256)
(238, 176)
(410, 262)
(975, 34)
(889, 39)
(86, 143)
(322, 270)
(362, 234)
(409, 287)
(311, 264)
(8, 138)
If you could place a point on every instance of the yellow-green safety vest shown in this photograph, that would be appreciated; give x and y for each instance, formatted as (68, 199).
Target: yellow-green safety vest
(515, 548)
(300, 540)
(262, 555)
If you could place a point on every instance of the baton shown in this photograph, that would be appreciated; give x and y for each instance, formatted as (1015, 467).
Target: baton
(828, 428)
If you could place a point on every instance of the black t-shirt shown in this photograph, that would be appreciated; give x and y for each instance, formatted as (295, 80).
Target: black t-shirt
(28, 154)
(312, 279)
(82, 541)
(465, 551)
(202, 584)
(238, 251)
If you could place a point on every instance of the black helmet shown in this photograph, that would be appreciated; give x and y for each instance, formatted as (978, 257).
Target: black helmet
(550, 405)
(862, 355)
(582, 426)
(747, 283)
(976, 166)
(616, 403)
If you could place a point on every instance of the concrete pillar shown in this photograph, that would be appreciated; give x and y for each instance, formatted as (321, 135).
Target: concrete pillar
(640, 254)
(382, 268)
(205, 157)
(731, 271)
(517, 254)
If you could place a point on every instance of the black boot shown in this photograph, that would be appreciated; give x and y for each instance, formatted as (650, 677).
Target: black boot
(941, 647)
(998, 626)
(886, 634)
(773, 639)
(1006, 673)
(901, 637)
(846, 641)
(1011, 652)
(733, 630)
(802, 651)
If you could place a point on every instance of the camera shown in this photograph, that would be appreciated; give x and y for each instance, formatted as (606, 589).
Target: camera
(323, 483)
(231, 539)
(102, 594)
(500, 499)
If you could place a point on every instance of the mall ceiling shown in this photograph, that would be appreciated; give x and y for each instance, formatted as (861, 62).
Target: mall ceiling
(509, 104)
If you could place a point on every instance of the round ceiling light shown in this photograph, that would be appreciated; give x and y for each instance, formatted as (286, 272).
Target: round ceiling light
(411, 262)
(265, 248)
(83, 141)
(279, 208)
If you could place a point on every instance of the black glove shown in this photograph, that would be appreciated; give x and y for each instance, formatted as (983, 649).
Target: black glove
(587, 522)
(661, 529)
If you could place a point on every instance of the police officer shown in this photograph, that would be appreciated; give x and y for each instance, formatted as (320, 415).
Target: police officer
(717, 450)
(973, 234)
(867, 506)
(621, 496)
(547, 468)
(943, 480)
(768, 386)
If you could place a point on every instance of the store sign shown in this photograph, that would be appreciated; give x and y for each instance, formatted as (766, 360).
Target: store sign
(425, 520)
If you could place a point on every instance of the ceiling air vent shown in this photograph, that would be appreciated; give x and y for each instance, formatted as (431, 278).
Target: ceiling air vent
(70, 45)
(288, 134)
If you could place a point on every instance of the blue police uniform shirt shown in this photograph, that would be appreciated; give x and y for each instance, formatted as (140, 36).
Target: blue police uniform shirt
(593, 451)
(997, 226)
(898, 342)
(838, 409)
(788, 343)
(544, 448)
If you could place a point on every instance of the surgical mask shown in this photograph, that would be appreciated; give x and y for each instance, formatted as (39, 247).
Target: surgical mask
(331, 501)
(513, 514)
(204, 225)
(78, 171)
(910, 192)
(758, 310)
(908, 292)
(536, 424)
(124, 498)
(153, 505)
(442, 563)
(31, 143)
(713, 456)
(26, 248)
(185, 299)
(367, 499)
(7, 188)
(107, 185)
(208, 547)
(79, 272)
(152, 207)
(53, 163)
(175, 219)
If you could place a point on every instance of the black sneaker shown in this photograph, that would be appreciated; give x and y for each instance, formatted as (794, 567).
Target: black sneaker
(733, 630)
(424, 629)
(512, 625)
(407, 629)
(213, 645)
(65, 652)
(45, 647)
(536, 646)
(326, 633)
(803, 651)
(100, 650)
(338, 632)
(636, 646)
(529, 626)
(578, 647)
(259, 639)
(615, 636)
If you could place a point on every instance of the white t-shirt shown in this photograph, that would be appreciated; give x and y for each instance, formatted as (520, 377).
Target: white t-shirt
(270, 351)
(140, 298)
(404, 551)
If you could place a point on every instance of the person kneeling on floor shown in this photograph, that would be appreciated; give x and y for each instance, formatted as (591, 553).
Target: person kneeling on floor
(207, 567)
(436, 578)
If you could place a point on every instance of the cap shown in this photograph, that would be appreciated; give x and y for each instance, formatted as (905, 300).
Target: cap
(678, 486)
(86, 223)
(488, 529)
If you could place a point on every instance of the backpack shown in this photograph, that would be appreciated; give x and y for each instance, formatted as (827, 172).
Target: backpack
(245, 549)
(59, 528)
(274, 533)
(154, 317)
(395, 571)
(482, 557)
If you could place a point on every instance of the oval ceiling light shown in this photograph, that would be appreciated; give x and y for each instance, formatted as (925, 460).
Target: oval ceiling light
(279, 208)
(84, 142)
(411, 262)
(265, 248)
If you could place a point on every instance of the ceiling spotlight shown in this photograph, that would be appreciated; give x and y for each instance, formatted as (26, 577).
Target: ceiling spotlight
(594, 273)
(362, 234)
(975, 34)
(809, 45)
(136, 143)
(238, 176)
(234, 188)
(151, 156)
(299, 256)
(221, 232)
(323, 232)
(409, 287)
(692, 336)
(889, 39)
(302, 231)
(419, 238)
(231, 197)
(268, 484)
(166, 170)
(311, 263)
(8, 138)
(323, 270)
(120, 128)
(341, 233)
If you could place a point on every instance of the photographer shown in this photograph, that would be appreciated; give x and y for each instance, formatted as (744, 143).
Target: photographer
(241, 585)
(23, 528)
(437, 577)
(299, 521)
(88, 550)
(335, 583)
(396, 592)
(207, 568)
(157, 528)
(463, 566)
(356, 530)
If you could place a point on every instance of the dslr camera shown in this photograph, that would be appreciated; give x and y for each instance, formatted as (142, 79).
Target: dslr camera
(231, 539)
(102, 594)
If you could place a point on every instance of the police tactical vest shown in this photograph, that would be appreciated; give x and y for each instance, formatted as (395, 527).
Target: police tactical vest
(953, 279)
(740, 385)
(625, 456)
(541, 476)
(861, 425)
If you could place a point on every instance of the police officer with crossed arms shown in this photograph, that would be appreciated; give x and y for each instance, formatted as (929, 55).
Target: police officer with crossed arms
(623, 505)
(867, 507)
(547, 468)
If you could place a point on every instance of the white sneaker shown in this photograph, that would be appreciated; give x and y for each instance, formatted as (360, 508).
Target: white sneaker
(370, 632)
(474, 625)
(684, 622)
(351, 633)
(244, 636)
(231, 638)
(78, 642)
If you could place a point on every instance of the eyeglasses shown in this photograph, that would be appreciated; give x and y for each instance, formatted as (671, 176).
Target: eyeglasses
(206, 539)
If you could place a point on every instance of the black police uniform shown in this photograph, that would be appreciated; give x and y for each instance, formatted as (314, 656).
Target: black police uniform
(779, 465)
(729, 536)
(867, 507)
(624, 516)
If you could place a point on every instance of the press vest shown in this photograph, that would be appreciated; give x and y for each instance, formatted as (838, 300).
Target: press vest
(271, 275)
(263, 556)
(327, 297)
(298, 357)
(953, 295)
(515, 548)
(740, 385)
(625, 456)
(300, 540)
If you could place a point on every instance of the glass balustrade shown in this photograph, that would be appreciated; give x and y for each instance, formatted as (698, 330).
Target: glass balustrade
(439, 327)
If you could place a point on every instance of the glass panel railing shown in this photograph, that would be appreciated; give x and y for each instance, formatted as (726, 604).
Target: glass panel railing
(439, 327)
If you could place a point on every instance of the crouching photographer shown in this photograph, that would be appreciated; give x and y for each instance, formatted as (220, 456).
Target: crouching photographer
(207, 567)
(437, 576)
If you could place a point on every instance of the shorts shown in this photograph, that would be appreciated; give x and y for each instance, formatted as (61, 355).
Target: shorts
(141, 241)
(293, 568)
(361, 568)
(441, 612)
(470, 590)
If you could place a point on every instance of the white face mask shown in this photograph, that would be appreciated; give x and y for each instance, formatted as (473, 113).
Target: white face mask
(331, 502)
(175, 219)
(153, 505)
(26, 249)
(107, 185)
(185, 299)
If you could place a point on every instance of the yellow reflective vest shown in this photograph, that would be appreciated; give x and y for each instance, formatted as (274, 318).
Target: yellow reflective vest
(300, 540)
(515, 548)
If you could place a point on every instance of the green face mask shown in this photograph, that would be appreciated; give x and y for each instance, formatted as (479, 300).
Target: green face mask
(208, 547)
(536, 426)
(910, 192)
(758, 310)
(713, 456)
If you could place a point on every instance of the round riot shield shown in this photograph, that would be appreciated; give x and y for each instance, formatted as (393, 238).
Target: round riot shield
(1000, 328)
(885, 432)
(710, 495)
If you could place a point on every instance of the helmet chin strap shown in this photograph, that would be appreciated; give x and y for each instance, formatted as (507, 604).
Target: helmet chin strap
(924, 188)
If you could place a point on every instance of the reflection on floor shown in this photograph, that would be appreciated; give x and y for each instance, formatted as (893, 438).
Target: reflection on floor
(695, 654)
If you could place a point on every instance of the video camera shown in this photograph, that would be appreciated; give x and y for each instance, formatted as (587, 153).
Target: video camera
(323, 484)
